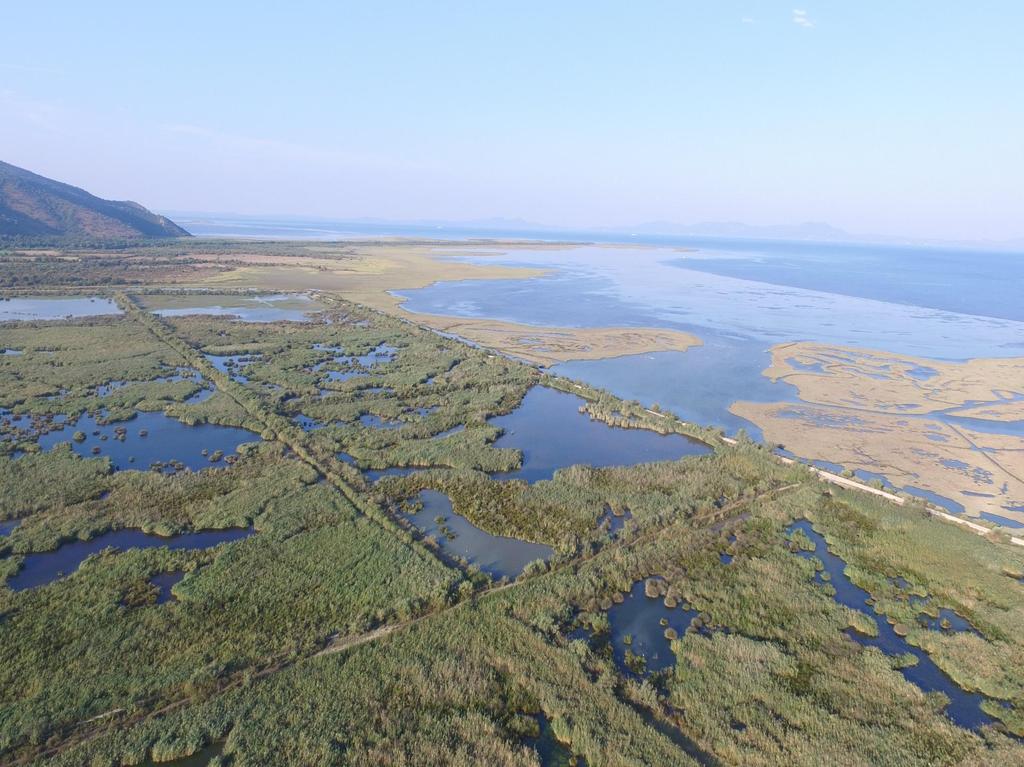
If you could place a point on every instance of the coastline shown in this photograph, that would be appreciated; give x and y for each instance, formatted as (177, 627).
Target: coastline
(368, 275)
(836, 384)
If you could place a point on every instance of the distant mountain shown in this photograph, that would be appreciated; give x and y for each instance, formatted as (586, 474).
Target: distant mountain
(35, 205)
(818, 232)
(810, 232)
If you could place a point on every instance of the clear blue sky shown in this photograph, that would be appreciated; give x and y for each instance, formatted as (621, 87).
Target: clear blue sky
(899, 117)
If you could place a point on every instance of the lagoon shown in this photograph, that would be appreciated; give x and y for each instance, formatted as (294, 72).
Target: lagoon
(553, 434)
(30, 308)
(167, 440)
(498, 556)
(45, 567)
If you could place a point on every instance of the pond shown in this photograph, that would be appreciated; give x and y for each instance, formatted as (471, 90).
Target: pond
(550, 751)
(44, 567)
(166, 440)
(31, 308)
(964, 707)
(612, 522)
(998, 519)
(164, 583)
(232, 364)
(280, 307)
(308, 424)
(337, 376)
(946, 620)
(372, 475)
(355, 366)
(498, 556)
(200, 758)
(371, 421)
(636, 627)
(381, 354)
(553, 434)
(180, 373)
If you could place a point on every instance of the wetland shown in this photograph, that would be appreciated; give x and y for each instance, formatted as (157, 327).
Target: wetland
(530, 568)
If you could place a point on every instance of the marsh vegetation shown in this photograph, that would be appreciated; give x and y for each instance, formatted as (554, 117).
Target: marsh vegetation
(667, 617)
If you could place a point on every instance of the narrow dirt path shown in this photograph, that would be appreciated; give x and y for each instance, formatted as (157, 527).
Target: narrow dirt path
(720, 520)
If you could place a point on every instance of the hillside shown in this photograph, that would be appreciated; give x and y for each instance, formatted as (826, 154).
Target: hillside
(31, 204)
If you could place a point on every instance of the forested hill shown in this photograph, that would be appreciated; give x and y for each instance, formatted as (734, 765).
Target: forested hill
(33, 205)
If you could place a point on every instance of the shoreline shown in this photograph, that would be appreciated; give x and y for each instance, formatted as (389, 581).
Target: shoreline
(370, 277)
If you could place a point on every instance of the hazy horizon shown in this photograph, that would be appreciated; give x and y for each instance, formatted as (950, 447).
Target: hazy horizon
(877, 119)
(809, 232)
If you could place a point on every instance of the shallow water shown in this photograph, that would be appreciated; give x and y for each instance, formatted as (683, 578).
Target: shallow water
(165, 582)
(337, 376)
(372, 475)
(551, 752)
(382, 354)
(939, 500)
(180, 374)
(869, 476)
(697, 385)
(375, 390)
(371, 421)
(967, 280)
(1015, 428)
(1001, 520)
(45, 567)
(946, 616)
(167, 439)
(358, 366)
(640, 287)
(964, 707)
(55, 308)
(553, 434)
(233, 364)
(450, 432)
(201, 396)
(498, 556)
(307, 423)
(200, 758)
(613, 523)
(255, 309)
(742, 297)
(639, 618)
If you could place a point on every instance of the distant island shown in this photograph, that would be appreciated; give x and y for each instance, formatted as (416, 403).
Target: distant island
(33, 205)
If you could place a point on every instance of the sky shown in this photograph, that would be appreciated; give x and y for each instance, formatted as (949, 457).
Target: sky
(901, 118)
